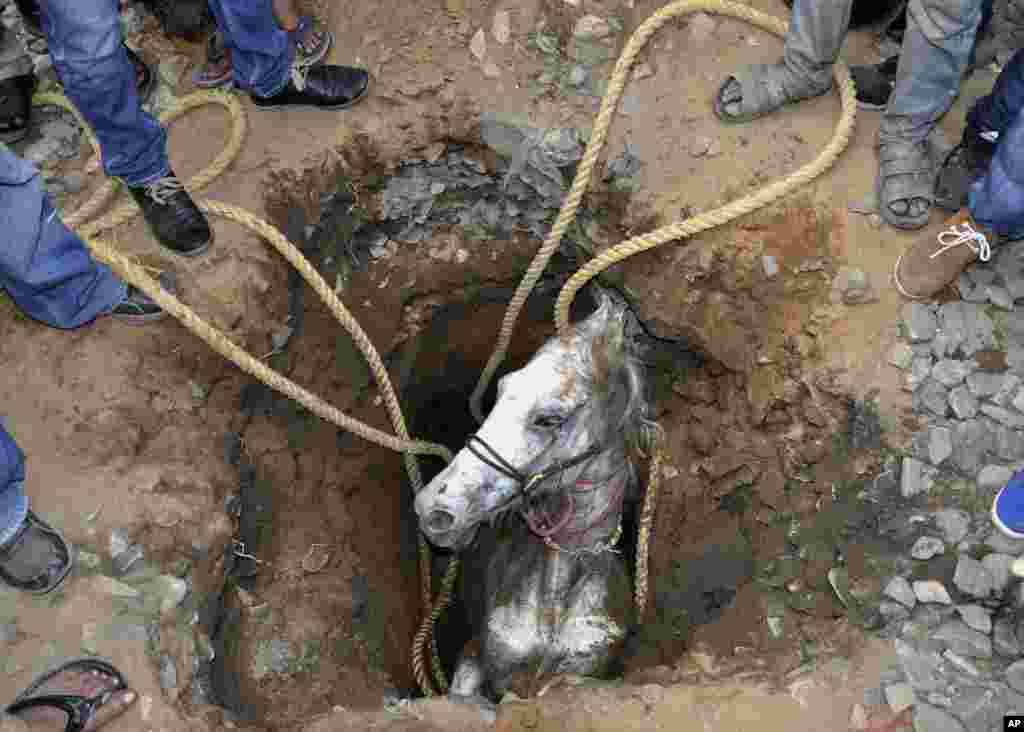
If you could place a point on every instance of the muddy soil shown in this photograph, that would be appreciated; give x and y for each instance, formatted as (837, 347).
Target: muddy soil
(126, 428)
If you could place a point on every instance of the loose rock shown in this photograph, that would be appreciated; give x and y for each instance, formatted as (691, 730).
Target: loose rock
(920, 370)
(972, 578)
(933, 397)
(900, 697)
(901, 356)
(1015, 676)
(993, 477)
(921, 322)
(949, 372)
(998, 566)
(976, 617)
(927, 547)
(984, 383)
(953, 524)
(932, 719)
(963, 640)
(963, 404)
(900, 590)
(912, 479)
(999, 296)
(931, 591)
(1004, 639)
(940, 448)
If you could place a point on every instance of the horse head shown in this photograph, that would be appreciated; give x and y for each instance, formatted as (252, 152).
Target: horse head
(580, 395)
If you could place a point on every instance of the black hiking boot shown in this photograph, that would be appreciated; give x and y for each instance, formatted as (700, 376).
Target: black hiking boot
(874, 84)
(137, 307)
(321, 87)
(173, 216)
(964, 164)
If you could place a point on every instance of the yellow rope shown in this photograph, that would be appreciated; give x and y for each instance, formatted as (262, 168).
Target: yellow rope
(137, 276)
(671, 232)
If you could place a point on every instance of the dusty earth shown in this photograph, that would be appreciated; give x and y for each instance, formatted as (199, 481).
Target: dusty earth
(125, 428)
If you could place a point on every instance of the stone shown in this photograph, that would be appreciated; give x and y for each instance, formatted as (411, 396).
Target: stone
(993, 477)
(1018, 401)
(963, 404)
(950, 372)
(972, 578)
(1004, 639)
(900, 590)
(1004, 544)
(702, 26)
(927, 547)
(578, 75)
(963, 640)
(971, 442)
(979, 330)
(912, 478)
(998, 566)
(119, 542)
(953, 523)
(933, 397)
(933, 615)
(931, 591)
(478, 45)
(1015, 676)
(976, 617)
(771, 266)
(921, 322)
(893, 612)
(901, 355)
(1007, 390)
(920, 370)
(940, 445)
(1009, 443)
(984, 384)
(168, 673)
(900, 696)
(999, 296)
(981, 275)
(922, 669)
(501, 28)
(928, 718)
(961, 663)
(591, 28)
(8, 632)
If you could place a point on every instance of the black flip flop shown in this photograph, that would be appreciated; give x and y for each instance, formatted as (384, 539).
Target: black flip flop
(80, 709)
(39, 587)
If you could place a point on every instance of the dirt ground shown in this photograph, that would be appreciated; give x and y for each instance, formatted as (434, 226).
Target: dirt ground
(124, 427)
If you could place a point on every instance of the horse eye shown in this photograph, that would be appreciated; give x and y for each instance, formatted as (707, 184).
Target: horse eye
(549, 421)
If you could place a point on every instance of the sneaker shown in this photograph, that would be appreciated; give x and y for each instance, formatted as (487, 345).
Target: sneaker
(311, 44)
(874, 84)
(934, 261)
(1008, 507)
(322, 87)
(137, 307)
(964, 164)
(173, 216)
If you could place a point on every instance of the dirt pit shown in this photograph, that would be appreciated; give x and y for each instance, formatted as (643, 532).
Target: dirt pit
(320, 601)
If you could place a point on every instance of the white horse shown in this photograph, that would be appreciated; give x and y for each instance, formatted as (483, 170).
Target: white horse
(557, 448)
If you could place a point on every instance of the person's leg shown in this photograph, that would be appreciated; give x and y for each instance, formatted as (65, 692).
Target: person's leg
(262, 55)
(88, 54)
(936, 45)
(260, 52)
(13, 501)
(993, 207)
(44, 267)
(84, 38)
(816, 34)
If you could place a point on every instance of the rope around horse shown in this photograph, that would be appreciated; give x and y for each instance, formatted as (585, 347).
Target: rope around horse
(138, 277)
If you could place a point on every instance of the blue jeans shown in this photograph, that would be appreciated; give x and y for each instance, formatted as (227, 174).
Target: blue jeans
(84, 38)
(50, 275)
(997, 199)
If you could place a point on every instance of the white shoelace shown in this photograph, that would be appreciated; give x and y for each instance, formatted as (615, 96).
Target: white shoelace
(952, 237)
(162, 190)
(964, 233)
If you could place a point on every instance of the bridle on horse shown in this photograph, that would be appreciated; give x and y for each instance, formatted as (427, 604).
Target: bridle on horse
(527, 483)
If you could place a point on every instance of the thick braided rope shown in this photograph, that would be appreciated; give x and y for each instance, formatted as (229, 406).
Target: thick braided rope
(674, 231)
(136, 275)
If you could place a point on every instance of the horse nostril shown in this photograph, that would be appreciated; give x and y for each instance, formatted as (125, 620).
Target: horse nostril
(439, 521)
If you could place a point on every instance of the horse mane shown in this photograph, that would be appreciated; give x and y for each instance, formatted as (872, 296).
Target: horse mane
(610, 365)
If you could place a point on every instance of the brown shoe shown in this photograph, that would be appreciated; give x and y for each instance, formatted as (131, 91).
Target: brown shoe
(934, 261)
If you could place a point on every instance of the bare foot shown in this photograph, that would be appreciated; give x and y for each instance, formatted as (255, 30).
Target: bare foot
(87, 684)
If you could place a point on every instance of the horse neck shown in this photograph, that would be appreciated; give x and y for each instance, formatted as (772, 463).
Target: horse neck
(598, 489)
